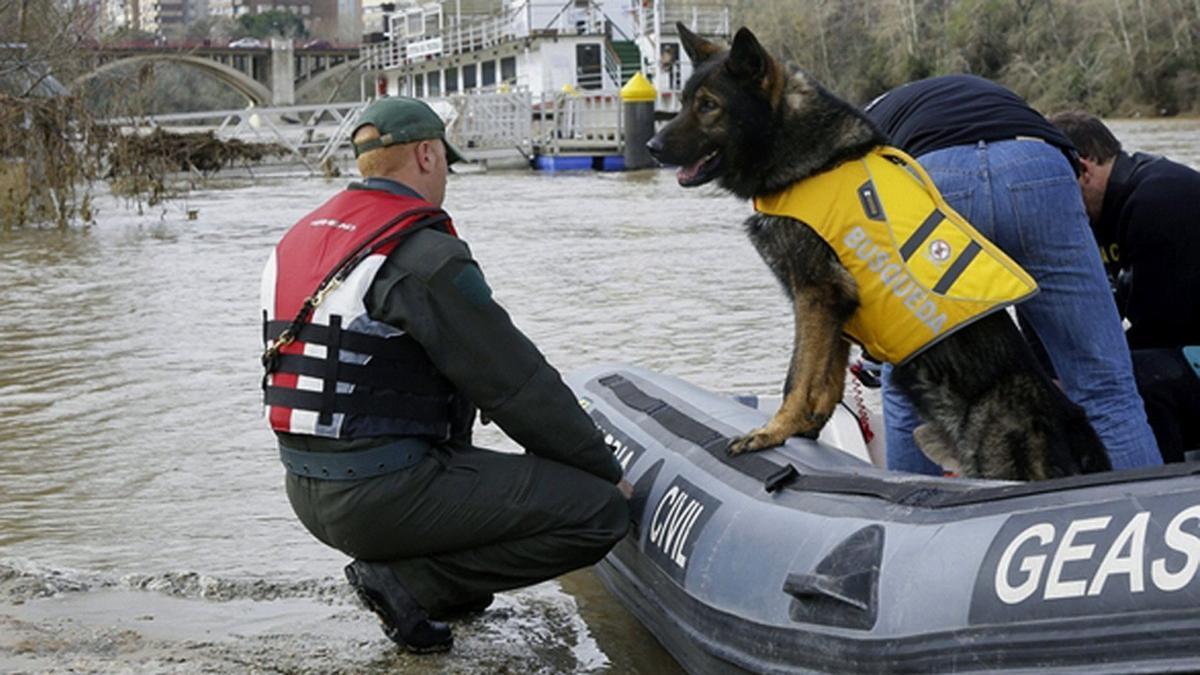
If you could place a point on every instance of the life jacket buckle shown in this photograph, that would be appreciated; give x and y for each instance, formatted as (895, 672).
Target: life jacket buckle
(270, 357)
(324, 291)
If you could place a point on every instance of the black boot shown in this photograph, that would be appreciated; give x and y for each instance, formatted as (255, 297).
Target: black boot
(405, 622)
(466, 609)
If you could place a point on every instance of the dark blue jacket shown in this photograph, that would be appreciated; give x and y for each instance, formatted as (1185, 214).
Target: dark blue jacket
(1149, 233)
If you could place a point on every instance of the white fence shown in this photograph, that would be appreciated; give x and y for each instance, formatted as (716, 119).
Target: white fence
(490, 125)
(578, 123)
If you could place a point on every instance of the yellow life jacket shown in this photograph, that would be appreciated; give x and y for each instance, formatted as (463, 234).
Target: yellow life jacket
(922, 270)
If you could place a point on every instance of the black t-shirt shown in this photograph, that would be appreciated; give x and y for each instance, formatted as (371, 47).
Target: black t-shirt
(1149, 234)
(950, 110)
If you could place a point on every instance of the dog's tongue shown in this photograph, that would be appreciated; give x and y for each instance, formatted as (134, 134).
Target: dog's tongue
(686, 174)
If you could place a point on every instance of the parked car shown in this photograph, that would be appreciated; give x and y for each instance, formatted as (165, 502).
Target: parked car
(247, 42)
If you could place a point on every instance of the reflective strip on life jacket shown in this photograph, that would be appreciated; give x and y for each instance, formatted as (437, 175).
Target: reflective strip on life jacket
(922, 270)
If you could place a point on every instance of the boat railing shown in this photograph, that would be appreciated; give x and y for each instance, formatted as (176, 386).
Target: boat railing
(469, 36)
(493, 124)
(569, 122)
(618, 71)
(612, 63)
(489, 125)
(457, 39)
(701, 20)
(591, 78)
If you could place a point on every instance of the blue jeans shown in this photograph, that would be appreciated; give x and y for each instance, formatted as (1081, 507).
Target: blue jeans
(1022, 195)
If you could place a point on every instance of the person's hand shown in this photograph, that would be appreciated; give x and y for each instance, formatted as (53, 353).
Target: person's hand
(625, 488)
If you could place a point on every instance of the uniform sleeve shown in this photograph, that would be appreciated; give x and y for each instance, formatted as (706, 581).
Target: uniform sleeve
(1153, 252)
(438, 295)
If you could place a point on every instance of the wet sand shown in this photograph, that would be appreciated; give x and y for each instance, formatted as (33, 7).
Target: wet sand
(55, 621)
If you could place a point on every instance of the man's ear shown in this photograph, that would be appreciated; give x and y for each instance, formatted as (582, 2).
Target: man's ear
(1087, 171)
(748, 60)
(698, 49)
(426, 156)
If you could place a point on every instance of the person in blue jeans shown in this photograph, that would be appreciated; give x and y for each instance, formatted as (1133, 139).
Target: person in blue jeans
(1011, 173)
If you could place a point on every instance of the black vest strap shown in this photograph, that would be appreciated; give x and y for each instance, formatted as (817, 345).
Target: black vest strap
(379, 375)
(433, 411)
(332, 358)
(402, 348)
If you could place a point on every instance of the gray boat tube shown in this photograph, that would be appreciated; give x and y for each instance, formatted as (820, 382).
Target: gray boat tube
(807, 559)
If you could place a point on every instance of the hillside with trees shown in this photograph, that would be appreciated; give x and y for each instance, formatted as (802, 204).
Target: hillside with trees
(1112, 57)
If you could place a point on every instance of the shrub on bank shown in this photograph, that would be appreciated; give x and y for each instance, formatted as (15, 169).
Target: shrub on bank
(53, 153)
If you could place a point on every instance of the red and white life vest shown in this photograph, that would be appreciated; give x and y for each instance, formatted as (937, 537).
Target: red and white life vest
(346, 375)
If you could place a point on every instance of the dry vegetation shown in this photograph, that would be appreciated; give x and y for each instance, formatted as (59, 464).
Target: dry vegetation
(1112, 57)
(55, 146)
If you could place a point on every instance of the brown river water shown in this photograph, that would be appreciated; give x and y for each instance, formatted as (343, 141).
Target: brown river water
(143, 523)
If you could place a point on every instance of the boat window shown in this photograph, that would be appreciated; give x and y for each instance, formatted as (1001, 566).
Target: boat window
(587, 66)
(508, 69)
(434, 82)
(489, 73)
(415, 24)
(669, 57)
(451, 80)
(470, 71)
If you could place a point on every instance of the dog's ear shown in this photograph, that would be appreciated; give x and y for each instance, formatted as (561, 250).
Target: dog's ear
(698, 49)
(748, 60)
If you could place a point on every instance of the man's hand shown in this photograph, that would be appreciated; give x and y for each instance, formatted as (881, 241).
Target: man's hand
(625, 488)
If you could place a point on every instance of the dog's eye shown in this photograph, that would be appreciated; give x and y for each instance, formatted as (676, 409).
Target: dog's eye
(706, 105)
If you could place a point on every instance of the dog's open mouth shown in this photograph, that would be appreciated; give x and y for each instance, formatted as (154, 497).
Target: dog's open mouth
(701, 172)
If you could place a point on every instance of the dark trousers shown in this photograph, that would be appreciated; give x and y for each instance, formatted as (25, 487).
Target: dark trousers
(466, 522)
(1171, 391)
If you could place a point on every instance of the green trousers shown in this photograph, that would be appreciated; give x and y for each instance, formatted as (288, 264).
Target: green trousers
(466, 522)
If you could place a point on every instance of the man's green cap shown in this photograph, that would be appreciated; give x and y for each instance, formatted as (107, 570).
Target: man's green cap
(400, 119)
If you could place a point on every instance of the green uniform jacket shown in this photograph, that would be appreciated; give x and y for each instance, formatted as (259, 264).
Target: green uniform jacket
(433, 289)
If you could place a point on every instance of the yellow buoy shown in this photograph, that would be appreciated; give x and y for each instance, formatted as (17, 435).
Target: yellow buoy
(638, 89)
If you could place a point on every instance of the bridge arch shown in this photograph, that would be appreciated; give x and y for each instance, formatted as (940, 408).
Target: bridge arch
(315, 82)
(253, 90)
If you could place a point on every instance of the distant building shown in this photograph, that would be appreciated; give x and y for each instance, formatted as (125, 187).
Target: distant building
(384, 19)
(165, 18)
(173, 15)
(333, 20)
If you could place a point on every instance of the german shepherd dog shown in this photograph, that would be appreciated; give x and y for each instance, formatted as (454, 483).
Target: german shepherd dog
(756, 126)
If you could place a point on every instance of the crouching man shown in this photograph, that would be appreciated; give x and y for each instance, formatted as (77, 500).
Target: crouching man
(382, 341)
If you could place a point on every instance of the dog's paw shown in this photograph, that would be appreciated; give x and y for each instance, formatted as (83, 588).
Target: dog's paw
(811, 434)
(755, 440)
(811, 425)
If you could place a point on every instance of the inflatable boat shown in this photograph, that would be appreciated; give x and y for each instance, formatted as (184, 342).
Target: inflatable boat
(809, 558)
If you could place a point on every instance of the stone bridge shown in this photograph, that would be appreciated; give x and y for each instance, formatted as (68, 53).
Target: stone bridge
(276, 74)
